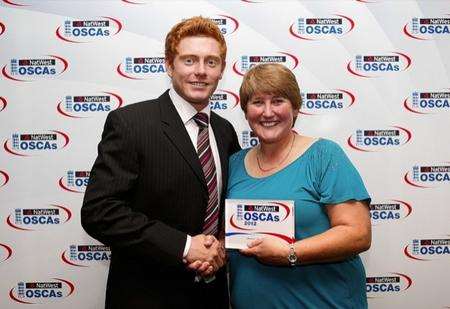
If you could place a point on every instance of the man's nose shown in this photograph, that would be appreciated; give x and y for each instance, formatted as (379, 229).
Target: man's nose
(200, 68)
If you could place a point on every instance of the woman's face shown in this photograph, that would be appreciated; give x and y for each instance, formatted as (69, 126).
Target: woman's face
(270, 117)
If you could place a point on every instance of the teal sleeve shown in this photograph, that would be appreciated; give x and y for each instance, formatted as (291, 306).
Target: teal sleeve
(338, 179)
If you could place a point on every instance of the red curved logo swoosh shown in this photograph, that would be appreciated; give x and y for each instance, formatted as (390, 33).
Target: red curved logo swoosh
(351, 95)
(355, 73)
(3, 103)
(5, 74)
(118, 97)
(64, 135)
(62, 112)
(61, 37)
(408, 133)
(234, 20)
(407, 205)
(67, 211)
(407, 278)
(70, 284)
(408, 181)
(15, 4)
(7, 149)
(405, 104)
(8, 250)
(281, 236)
(296, 61)
(11, 294)
(351, 22)
(350, 143)
(233, 224)
(62, 185)
(121, 73)
(8, 221)
(405, 31)
(6, 177)
(292, 32)
(235, 70)
(406, 252)
(234, 95)
(286, 209)
(117, 22)
(66, 260)
(64, 61)
(131, 2)
(408, 59)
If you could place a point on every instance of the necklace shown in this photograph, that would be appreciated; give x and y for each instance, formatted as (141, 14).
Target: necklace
(265, 170)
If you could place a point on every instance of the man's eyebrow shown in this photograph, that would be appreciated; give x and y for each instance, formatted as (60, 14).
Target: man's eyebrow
(196, 56)
(188, 55)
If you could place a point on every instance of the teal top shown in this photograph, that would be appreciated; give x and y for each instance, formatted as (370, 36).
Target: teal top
(322, 175)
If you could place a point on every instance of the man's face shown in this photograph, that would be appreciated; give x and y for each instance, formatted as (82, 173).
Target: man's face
(196, 69)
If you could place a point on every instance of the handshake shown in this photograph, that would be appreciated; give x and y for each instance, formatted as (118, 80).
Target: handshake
(205, 256)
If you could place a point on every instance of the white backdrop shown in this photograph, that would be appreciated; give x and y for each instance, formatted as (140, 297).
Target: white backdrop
(374, 77)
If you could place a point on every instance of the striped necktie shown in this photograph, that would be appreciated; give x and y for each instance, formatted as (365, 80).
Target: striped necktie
(210, 226)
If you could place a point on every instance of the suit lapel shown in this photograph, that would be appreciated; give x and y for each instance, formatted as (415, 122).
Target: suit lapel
(175, 130)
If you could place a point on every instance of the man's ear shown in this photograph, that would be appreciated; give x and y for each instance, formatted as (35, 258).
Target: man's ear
(169, 67)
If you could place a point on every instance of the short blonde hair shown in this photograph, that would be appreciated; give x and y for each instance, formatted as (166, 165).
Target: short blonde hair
(194, 26)
(273, 78)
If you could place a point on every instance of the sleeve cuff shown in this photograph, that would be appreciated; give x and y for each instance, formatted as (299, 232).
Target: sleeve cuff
(187, 246)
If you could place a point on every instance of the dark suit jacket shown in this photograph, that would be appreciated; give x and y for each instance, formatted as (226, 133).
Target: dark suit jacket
(146, 192)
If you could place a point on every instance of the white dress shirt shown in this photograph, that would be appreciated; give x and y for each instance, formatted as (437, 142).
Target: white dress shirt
(187, 112)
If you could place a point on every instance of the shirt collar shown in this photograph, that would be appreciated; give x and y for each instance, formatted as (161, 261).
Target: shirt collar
(184, 108)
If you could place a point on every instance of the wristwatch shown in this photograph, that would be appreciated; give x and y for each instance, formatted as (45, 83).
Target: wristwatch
(292, 257)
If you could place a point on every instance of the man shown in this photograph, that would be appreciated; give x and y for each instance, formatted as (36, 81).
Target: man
(156, 188)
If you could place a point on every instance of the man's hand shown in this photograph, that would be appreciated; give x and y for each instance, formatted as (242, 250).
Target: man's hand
(206, 255)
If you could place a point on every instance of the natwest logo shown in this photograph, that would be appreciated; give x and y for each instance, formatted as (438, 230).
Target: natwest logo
(385, 285)
(3, 103)
(427, 28)
(389, 211)
(313, 28)
(318, 103)
(27, 144)
(428, 249)
(33, 219)
(140, 68)
(85, 106)
(372, 65)
(86, 255)
(74, 181)
(369, 140)
(88, 30)
(428, 102)
(41, 292)
(5, 252)
(223, 100)
(4, 178)
(246, 62)
(427, 176)
(226, 24)
(32, 69)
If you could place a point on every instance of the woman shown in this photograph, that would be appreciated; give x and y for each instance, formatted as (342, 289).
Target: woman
(321, 269)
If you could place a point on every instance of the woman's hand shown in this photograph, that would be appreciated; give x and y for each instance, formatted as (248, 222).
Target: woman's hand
(268, 250)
